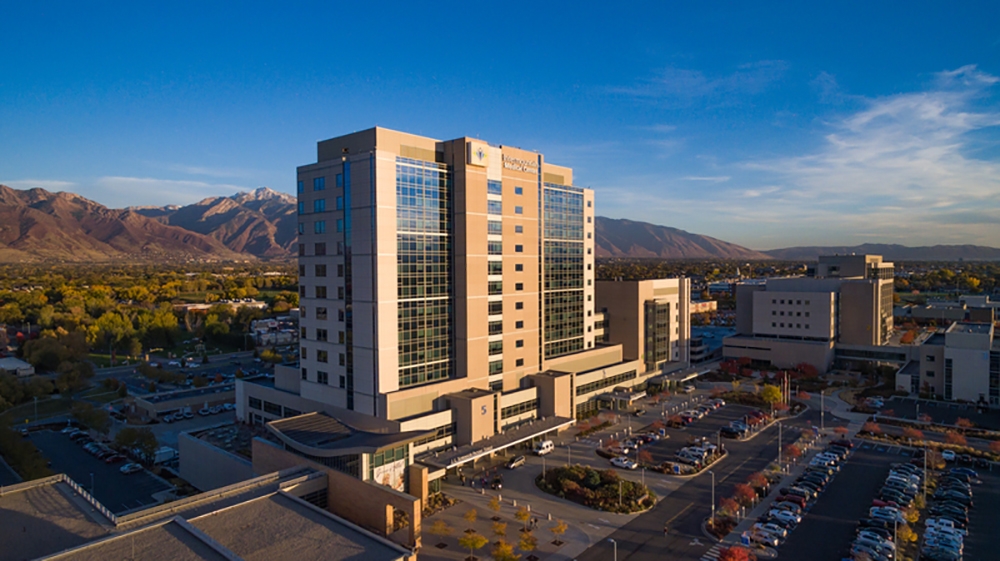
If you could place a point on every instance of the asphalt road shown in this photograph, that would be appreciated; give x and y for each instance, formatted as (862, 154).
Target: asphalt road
(946, 413)
(116, 491)
(684, 510)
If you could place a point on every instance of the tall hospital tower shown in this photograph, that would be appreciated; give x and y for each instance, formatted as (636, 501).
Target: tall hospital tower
(449, 305)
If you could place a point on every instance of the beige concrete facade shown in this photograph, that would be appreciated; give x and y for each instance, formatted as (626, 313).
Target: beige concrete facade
(787, 321)
(628, 308)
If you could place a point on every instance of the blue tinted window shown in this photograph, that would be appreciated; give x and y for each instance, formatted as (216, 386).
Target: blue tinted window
(340, 203)
(302, 227)
(319, 227)
(518, 190)
(494, 227)
(302, 207)
(340, 180)
(494, 187)
(340, 225)
(319, 205)
(494, 207)
(301, 187)
(518, 210)
(319, 184)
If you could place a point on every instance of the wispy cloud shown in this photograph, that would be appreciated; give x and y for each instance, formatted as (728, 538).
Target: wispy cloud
(141, 191)
(209, 171)
(708, 178)
(684, 85)
(47, 184)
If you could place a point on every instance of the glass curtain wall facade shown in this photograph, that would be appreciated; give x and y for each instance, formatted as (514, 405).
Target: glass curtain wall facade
(561, 235)
(424, 260)
(657, 334)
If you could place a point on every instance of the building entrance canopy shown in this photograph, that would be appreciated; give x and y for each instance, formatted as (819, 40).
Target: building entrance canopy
(457, 456)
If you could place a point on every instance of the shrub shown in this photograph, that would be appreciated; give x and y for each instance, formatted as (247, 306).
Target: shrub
(871, 428)
(744, 494)
(955, 438)
(595, 489)
(736, 553)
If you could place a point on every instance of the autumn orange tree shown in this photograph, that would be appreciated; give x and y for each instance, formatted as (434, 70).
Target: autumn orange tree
(792, 452)
(841, 431)
(744, 494)
(728, 507)
(913, 434)
(964, 423)
(995, 446)
(954, 438)
(757, 479)
(871, 428)
(736, 553)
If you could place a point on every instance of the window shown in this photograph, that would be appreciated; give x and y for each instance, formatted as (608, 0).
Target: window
(255, 403)
(302, 270)
(340, 180)
(340, 337)
(518, 267)
(340, 315)
(929, 374)
(518, 248)
(343, 381)
(519, 286)
(340, 203)
(272, 408)
(519, 362)
(930, 358)
(782, 301)
(494, 207)
(496, 308)
(301, 187)
(589, 204)
(807, 326)
(342, 359)
(494, 227)
(589, 219)
(518, 190)
(319, 205)
(340, 224)
(774, 313)
(798, 302)
(302, 207)
(518, 409)
(807, 314)
(303, 352)
(519, 305)
(496, 327)
(518, 324)
(519, 343)
(319, 184)
(496, 287)
(322, 356)
(305, 372)
(319, 227)
(320, 313)
(773, 324)
(340, 293)
(494, 248)
(322, 377)
(518, 210)
(302, 228)
(319, 249)
(496, 367)
(321, 335)
(340, 248)
(340, 271)
(320, 292)
(518, 229)
(807, 302)
(494, 187)
(798, 314)
(320, 270)
(495, 268)
(496, 347)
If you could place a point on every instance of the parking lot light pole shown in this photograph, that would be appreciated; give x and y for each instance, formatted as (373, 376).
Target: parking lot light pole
(712, 473)
(779, 447)
(614, 544)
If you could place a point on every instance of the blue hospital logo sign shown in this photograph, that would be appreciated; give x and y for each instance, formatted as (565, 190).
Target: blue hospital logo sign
(479, 154)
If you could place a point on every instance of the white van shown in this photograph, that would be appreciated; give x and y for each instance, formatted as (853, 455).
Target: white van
(544, 447)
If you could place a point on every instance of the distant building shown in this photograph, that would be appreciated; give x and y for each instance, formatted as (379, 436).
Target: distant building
(704, 306)
(968, 308)
(845, 299)
(16, 366)
(963, 363)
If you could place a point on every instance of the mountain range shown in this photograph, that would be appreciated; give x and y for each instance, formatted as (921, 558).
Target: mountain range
(37, 225)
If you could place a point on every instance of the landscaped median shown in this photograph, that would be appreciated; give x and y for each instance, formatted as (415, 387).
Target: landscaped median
(598, 489)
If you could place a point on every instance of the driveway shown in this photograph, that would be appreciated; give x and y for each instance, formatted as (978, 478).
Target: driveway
(116, 491)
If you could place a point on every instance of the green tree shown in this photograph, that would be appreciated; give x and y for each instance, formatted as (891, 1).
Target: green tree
(140, 439)
(92, 417)
(472, 541)
(503, 551)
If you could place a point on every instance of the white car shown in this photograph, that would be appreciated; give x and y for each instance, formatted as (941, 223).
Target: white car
(623, 463)
(886, 513)
(771, 528)
(948, 455)
(130, 468)
(174, 363)
(764, 538)
(785, 516)
(943, 525)
(872, 536)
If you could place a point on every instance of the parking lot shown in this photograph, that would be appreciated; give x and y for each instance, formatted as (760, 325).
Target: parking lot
(113, 489)
(833, 519)
(708, 427)
(946, 413)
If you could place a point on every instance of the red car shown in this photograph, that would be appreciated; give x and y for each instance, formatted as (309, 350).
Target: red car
(795, 499)
(113, 459)
(843, 442)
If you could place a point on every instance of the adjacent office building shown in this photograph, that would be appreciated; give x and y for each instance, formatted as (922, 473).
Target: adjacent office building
(447, 300)
(843, 300)
(963, 363)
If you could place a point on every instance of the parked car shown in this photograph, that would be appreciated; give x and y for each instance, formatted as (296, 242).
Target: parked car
(516, 462)
(948, 455)
(623, 463)
(205, 411)
(130, 468)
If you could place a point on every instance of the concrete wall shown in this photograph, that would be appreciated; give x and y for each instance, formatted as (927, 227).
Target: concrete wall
(209, 467)
(780, 353)
(794, 314)
(970, 373)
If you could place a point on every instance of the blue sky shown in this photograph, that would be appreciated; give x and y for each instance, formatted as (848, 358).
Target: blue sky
(765, 124)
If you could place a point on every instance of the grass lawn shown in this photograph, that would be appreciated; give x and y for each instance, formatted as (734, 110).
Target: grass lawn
(51, 407)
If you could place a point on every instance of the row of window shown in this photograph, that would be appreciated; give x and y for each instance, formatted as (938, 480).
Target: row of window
(496, 188)
(324, 377)
(797, 314)
(519, 409)
(319, 249)
(319, 183)
(795, 302)
(319, 270)
(495, 208)
(272, 408)
(319, 226)
(797, 325)
(606, 382)
(320, 292)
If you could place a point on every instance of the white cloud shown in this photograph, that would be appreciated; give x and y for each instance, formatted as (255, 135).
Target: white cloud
(47, 184)
(116, 191)
(708, 178)
(680, 84)
(210, 171)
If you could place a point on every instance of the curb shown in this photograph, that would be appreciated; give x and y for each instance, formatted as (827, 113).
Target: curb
(703, 469)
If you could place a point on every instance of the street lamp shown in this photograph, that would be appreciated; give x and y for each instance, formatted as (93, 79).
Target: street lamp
(615, 545)
(712, 473)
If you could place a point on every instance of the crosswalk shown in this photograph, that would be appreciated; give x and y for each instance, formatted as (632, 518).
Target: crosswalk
(713, 553)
